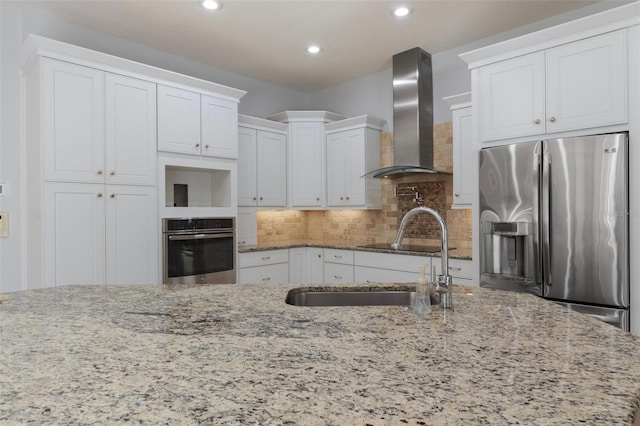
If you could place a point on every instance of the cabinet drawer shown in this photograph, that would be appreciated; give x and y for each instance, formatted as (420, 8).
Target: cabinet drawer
(338, 256)
(397, 262)
(266, 257)
(268, 274)
(368, 275)
(336, 273)
(459, 268)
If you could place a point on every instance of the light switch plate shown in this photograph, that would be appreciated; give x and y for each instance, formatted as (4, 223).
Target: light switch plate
(4, 224)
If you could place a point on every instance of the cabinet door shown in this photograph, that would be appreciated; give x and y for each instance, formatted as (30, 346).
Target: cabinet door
(511, 98)
(178, 120)
(130, 115)
(306, 159)
(247, 167)
(219, 127)
(247, 227)
(355, 184)
(73, 122)
(336, 273)
(463, 166)
(271, 152)
(586, 83)
(368, 275)
(337, 157)
(74, 234)
(315, 265)
(298, 265)
(132, 255)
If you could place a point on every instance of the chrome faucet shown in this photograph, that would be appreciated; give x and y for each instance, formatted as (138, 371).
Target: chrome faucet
(444, 279)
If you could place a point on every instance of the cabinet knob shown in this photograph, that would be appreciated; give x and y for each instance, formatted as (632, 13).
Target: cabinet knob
(319, 256)
(347, 198)
(260, 198)
(457, 195)
(99, 194)
(318, 199)
(197, 145)
(536, 121)
(206, 146)
(98, 172)
(112, 172)
(341, 198)
(112, 195)
(254, 198)
(552, 119)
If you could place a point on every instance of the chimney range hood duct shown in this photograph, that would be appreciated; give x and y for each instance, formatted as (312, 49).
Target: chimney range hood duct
(412, 115)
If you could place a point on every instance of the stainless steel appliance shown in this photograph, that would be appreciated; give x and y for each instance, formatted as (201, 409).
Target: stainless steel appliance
(554, 222)
(199, 250)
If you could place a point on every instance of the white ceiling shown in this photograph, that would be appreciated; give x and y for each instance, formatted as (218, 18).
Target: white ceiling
(266, 39)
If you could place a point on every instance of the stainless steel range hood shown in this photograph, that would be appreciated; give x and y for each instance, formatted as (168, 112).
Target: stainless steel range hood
(412, 115)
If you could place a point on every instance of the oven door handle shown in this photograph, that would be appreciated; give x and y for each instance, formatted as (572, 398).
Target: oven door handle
(198, 236)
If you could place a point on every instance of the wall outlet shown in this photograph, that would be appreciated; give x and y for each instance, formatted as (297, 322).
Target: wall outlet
(4, 224)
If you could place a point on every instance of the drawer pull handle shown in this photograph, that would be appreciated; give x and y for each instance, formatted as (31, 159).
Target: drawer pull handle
(337, 257)
(455, 269)
(337, 277)
(266, 258)
(266, 279)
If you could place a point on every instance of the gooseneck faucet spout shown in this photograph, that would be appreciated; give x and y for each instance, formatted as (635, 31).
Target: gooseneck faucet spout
(444, 279)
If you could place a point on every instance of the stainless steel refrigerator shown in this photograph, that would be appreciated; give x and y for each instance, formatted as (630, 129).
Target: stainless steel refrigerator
(554, 222)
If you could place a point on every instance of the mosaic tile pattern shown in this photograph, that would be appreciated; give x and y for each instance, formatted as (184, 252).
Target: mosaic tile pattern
(430, 194)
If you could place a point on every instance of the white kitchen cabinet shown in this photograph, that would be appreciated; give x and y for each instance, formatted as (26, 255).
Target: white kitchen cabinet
(132, 235)
(306, 163)
(298, 265)
(178, 120)
(464, 181)
(130, 131)
(306, 181)
(576, 85)
(353, 149)
(197, 124)
(264, 267)
(373, 267)
(369, 275)
(338, 266)
(262, 171)
(315, 265)
(219, 119)
(461, 270)
(72, 122)
(97, 234)
(247, 227)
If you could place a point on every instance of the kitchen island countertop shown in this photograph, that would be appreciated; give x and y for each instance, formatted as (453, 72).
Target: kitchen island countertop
(237, 354)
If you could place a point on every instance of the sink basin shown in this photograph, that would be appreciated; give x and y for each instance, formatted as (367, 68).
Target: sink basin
(350, 296)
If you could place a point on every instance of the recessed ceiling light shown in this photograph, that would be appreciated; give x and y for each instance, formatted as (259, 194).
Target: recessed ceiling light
(401, 11)
(313, 49)
(212, 4)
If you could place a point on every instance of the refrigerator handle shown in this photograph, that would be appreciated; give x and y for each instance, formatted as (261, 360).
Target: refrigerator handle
(545, 218)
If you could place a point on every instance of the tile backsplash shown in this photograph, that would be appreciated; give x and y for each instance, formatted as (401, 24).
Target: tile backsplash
(358, 227)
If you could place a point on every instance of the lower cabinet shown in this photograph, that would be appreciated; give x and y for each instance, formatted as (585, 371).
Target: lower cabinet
(97, 234)
(264, 267)
(338, 266)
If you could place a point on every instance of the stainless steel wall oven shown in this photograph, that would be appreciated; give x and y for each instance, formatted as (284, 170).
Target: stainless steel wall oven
(199, 250)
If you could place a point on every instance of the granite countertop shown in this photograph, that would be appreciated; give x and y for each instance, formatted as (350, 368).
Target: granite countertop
(415, 250)
(237, 354)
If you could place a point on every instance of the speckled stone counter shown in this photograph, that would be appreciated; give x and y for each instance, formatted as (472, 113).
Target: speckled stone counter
(237, 354)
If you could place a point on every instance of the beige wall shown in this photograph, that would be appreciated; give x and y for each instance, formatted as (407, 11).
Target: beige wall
(358, 227)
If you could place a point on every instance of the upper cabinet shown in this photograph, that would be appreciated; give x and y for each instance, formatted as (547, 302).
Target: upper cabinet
(306, 156)
(464, 180)
(98, 127)
(262, 160)
(197, 124)
(353, 149)
(572, 86)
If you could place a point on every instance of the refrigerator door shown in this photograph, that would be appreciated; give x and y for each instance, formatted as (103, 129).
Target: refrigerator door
(585, 205)
(509, 245)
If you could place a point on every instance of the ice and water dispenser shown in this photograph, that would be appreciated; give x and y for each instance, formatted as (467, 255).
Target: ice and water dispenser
(507, 253)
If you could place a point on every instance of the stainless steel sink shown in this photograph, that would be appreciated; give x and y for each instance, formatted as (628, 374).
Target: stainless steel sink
(350, 296)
